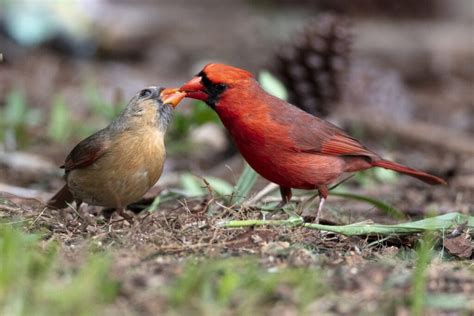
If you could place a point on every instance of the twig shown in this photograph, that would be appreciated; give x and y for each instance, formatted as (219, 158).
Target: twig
(261, 194)
(292, 221)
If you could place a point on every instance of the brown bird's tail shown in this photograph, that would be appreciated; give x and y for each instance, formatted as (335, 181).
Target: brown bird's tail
(423, 176)
(61, 199)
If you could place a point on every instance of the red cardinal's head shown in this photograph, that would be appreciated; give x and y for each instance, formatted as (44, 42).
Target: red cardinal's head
(213, 81)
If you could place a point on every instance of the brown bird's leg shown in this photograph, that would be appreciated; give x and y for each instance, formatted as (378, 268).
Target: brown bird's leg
(78, 206)
(323, 195)
(121, 212)
(285, 196)
(82, 213)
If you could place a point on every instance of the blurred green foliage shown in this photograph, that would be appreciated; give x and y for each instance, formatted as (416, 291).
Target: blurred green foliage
(240, 286)
(372, 177)
(195, 186)
(199, 114)
(99, 106)
(34, 282)
(15, 120)
(184, 122)
(60, 125)
(272, 85)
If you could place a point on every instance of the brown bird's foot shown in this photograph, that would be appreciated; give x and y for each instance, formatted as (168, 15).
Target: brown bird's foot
(121, 211)
(81, 212)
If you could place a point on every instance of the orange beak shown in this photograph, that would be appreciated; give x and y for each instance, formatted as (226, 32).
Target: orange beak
(195, 89)
(172, 96)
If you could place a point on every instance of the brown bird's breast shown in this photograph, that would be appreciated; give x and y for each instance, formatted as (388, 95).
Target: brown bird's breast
(130, 167)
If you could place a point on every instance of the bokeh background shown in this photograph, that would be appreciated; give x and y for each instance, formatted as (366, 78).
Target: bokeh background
(399, 75)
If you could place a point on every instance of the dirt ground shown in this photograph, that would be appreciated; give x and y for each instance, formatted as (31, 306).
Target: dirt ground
(428, 62)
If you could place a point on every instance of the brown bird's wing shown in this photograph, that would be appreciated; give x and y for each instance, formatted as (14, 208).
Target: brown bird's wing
(87, 151)
(61, 199)
(313, 135)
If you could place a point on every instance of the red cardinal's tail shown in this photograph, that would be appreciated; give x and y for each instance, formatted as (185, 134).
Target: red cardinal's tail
(423, 176)
(61, 199)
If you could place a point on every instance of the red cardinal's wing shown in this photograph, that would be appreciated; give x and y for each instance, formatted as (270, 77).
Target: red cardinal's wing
(312, 134)
(341, 144)
(87, 151)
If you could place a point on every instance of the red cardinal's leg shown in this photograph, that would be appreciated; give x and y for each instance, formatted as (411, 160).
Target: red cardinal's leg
(323, 194)
(285, 196)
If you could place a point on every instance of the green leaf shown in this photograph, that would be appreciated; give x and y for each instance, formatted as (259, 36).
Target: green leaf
(195, 186)
(386, 175)
(222, 187)
(387, 209)
(154, 205)
(191, 185)
(272, 85)
(442, 222)
(244, 185)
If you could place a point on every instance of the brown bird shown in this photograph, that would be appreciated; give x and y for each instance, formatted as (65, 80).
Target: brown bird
(282, 143)
(118, 164)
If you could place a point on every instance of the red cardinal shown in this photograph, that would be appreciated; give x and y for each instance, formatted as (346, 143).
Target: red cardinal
(282, 143)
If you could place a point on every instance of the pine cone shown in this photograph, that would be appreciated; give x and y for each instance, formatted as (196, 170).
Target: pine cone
(423, 9)
(387, 8)
(313, 66)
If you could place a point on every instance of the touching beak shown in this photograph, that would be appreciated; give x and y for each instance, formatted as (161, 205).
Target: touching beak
(195, 89)
(172, 96)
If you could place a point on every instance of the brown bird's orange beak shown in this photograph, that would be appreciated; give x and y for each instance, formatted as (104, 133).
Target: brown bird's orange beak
(172, 96)
(195, 89)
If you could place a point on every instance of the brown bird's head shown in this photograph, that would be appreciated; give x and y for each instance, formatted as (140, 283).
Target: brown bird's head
(214, 81)
(151, 106)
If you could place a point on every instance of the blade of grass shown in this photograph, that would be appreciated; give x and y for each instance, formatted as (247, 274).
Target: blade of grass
(418, 287)
(441, 222)
(244, 185)
(154, 205)
(385, 208)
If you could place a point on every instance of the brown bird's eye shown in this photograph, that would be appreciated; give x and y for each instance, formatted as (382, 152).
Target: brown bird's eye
(145, 93)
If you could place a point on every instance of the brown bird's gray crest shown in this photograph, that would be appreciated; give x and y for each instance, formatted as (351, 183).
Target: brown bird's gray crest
(146, 103)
